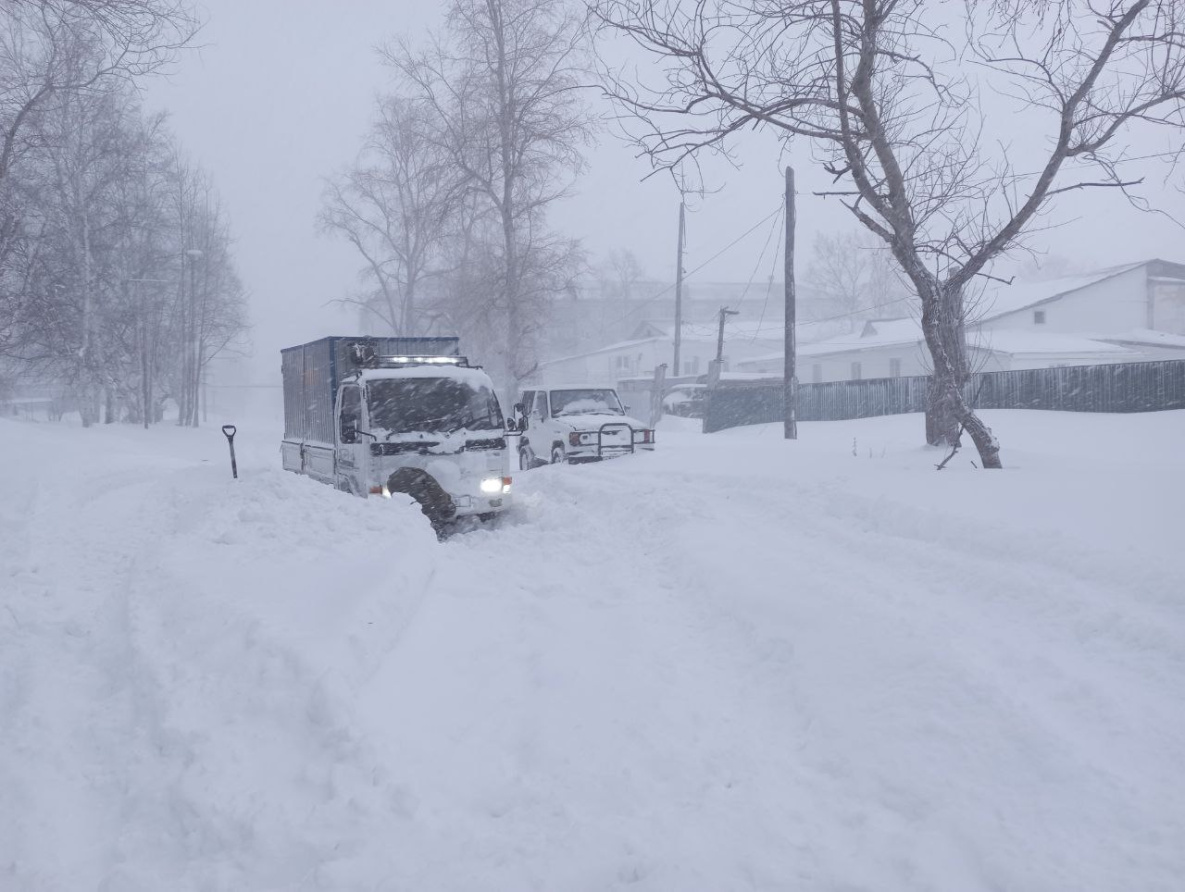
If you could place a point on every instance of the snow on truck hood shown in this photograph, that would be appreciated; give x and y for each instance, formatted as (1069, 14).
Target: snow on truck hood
(443, 442)
(593, 421)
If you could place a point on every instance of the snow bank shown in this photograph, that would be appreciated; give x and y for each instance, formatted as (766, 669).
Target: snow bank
(735, 663)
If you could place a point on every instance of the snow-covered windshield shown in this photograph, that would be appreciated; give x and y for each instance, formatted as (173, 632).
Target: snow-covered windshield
(585, 402)
(407, 405)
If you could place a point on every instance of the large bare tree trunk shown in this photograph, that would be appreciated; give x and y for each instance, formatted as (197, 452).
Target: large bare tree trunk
(948, 414)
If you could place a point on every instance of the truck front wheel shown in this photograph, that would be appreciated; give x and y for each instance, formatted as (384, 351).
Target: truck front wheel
(557, 454)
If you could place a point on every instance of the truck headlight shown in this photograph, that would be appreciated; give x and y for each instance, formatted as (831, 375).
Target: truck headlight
(579, 439)
(491, 486)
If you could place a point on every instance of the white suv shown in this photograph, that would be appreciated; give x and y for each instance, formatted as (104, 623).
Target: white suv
(576, 424)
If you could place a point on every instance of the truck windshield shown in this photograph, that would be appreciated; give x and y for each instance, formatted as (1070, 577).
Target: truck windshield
(408, 405)
(585, 402)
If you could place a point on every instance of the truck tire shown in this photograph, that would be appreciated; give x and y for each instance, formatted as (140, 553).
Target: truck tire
(524, 459)
(557, 454)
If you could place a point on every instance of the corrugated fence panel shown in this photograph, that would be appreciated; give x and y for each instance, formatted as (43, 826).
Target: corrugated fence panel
(1124, 387)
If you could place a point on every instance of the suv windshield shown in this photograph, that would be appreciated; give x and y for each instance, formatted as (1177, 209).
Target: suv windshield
(585, 402)
(408, 405)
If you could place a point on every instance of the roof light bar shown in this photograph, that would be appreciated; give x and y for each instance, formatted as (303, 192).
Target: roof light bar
(364, 355)
(430, 360)
(426, 360)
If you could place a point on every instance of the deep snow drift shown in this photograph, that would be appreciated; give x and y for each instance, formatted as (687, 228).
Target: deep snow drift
(736, 663)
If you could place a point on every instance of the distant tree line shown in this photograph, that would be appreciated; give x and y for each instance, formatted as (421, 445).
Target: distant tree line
(116, 276)
(446, 204)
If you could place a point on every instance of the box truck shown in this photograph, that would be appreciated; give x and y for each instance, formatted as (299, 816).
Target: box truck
(378, 416)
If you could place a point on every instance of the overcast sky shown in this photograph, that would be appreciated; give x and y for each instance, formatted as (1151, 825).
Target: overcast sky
(281, 94)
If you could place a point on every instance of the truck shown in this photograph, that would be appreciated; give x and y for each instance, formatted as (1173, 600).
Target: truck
(375, 416)
(575, 424)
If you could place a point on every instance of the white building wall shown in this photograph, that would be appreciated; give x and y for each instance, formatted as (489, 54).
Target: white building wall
(1168, 313)
(1117, 304)
(876, 362)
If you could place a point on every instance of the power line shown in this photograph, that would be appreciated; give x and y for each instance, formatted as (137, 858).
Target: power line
(723, 250)
(770, 282)
(887, 303)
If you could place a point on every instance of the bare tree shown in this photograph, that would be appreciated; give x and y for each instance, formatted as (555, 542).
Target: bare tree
(857, 276)
(394, 207)
(503, 82)
(100, 297)
(55, 55)
(895, 97)
(51, 47)
(619, 274)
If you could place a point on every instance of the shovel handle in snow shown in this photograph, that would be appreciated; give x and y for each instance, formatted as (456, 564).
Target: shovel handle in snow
(230, 431)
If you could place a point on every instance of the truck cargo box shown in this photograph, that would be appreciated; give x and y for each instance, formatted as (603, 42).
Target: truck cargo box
(312, 372)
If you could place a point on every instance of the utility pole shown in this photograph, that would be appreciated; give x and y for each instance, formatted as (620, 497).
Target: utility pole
(725, 312)
(790, 374)
(678, 369)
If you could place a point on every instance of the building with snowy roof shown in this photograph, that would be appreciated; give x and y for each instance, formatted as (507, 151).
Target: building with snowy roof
(1129, 313)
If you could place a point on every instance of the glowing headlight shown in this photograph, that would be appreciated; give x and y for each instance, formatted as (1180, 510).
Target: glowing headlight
(491, 485)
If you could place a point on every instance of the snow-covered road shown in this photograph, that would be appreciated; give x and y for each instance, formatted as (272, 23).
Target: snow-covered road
(736, 663)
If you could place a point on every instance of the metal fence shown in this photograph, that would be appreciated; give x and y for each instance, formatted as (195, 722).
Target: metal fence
(1123, 387)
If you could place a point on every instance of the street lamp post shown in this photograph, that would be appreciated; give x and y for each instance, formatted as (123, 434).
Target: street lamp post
(725, 312)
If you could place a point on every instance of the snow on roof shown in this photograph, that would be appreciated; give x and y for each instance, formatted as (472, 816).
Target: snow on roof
(908, 333)
(1144, 337)
(879, 333)
(1040, 343)
(1003, 299)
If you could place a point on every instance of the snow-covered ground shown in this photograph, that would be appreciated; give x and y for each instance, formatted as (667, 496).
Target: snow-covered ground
(736, 663)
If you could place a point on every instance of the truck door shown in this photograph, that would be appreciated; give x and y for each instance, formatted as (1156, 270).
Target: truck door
(539, 421)
(353, 448)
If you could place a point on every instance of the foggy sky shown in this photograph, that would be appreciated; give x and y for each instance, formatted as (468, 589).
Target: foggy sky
(280, 97)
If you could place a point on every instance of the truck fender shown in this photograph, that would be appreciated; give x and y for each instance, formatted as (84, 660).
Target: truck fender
(436, 504)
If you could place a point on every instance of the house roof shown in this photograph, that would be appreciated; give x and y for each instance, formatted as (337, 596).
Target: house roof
(1145, 337)
(876, 333)
(1040, 343)
(1004, 299)
(908, 333)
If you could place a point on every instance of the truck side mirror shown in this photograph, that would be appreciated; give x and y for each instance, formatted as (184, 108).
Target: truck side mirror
(511, 426)
(518, 409)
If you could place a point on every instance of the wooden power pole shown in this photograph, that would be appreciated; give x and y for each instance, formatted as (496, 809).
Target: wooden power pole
(678, 369)
(790, 374)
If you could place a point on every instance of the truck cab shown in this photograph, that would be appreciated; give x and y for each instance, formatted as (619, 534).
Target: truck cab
(429, 426)
(576, 424)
